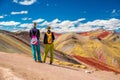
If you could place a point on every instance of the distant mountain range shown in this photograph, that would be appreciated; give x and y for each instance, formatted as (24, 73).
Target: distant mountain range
(99, 48)
(96, 48)
(19, 42)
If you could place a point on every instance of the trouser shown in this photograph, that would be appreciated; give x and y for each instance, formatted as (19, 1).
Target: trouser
(36, 50)
(47, 48)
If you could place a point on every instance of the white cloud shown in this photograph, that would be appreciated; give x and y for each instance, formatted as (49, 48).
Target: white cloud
(42, 30)
(28, 25)
(79, 20)
(38, 20)
(21, 12)
(25, 2)
(15, 1)
(54, 23)
(59, 26)
(24, 19)
(45, 23)
(9, 23)
(114, 11)
(64, 26)
(67, 23)
(56, 20)
(1, 16)
(110, 24)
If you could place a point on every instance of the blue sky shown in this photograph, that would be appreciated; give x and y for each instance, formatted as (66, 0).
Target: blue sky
(61, 15)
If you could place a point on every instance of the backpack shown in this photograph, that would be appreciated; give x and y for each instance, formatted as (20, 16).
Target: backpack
(49, 40)
(34, 39)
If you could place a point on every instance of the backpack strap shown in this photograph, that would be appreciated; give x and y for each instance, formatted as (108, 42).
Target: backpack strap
(49, 35)
(32, 32)
(36, 32)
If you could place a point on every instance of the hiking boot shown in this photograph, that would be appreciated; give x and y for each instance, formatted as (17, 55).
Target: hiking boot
(43, 61)
(50, 63)
(40, 61)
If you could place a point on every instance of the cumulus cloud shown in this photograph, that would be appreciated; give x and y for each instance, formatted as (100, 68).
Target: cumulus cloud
(54, 23)
(27, 25)
(25, 2)
(68, 23)
(24, 19)
(9, 23)
(65, 26)
(110, 24)
(45, 23)
(79, 20)
(15, 1)
(21, 12)
(59, 26)
(58, 23)
(38, 20)
(70, 26)
(115, 12)
(1, 16)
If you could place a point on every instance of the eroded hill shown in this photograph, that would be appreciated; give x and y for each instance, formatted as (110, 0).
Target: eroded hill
(100, 46)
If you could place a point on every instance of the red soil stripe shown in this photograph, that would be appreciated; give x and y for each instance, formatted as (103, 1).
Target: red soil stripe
(104, 34)
(97, 64)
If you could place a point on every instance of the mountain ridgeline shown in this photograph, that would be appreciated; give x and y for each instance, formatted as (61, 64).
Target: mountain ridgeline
(99, 47)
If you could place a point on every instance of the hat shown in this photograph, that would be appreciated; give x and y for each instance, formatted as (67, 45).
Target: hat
(48, 27)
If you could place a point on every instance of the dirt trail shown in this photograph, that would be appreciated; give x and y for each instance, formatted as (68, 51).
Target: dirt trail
(7, 74)
(22, 67)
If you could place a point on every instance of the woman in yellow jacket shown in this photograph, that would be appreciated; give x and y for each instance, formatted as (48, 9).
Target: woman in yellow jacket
(48, 41)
